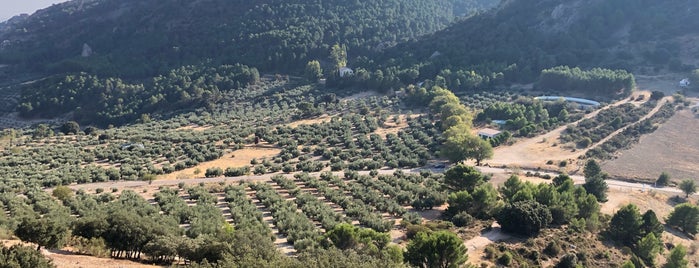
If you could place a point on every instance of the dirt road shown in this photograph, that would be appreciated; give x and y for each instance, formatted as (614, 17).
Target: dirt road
(538, 150)
(158, 183)
(535, 152)
(477, 244)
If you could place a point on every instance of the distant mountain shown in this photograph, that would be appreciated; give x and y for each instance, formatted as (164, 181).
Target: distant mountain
(141, 38)
(637, 35)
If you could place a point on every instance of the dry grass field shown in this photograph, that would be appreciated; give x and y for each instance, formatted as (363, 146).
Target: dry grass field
(320, 119)
(238, 158)
(673, 148)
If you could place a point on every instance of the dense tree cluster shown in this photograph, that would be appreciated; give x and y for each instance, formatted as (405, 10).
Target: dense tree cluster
(129, 227)
(520, 207)
(642, 233)
(105, 101)
(595, 82)
(456, 121)
(350, 142)
(437, 249)
(162, 146)
(686, 218)
(21, 256)
(527, 117)
(513, 42)
(272, 35)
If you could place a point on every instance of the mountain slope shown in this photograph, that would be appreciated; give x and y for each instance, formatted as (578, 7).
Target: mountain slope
(139, 38)
(627, 34)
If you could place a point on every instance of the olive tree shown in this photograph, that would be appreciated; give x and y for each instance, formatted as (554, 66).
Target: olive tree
(441, 249)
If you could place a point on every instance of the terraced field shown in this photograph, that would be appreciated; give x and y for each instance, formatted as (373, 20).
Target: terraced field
(296, 210)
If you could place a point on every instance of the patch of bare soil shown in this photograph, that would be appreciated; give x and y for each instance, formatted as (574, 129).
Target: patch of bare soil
(433, 214)
(238, 158)
(673, 148)
(659, 203)
(361, 95)
(476, 246)
(67, 259)
(316, 120)
(535, 152)
(196, 128)
(645, 199)
(393, 126)
(666, 83)
(64, 259)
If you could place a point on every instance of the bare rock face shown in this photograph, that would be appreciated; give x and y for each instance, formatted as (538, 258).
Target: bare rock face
(87, 51)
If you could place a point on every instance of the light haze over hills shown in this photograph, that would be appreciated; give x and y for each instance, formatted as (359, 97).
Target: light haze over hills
(15, 7)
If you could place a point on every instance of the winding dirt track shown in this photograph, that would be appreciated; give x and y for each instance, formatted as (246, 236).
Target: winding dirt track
(536, 151)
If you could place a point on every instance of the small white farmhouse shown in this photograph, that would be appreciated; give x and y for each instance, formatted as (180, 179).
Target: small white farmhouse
(345, 71)
(488, 133)
(684, 83)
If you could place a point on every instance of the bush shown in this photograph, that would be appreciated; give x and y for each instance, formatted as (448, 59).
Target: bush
(552, 249)
(411, 218)
(569, 260)
(213, 172)
(524, 217)
(63, 193)
(505, 259)
(413, 229)
(462, 219)
(236, 172)
(21, 256)
(663, 179)
(259, 170)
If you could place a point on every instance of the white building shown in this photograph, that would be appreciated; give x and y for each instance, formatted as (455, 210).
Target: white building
(345, 71)
(488, 133)
(684, 83)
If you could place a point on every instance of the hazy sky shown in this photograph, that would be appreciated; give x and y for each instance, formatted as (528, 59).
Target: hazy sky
(9, 8)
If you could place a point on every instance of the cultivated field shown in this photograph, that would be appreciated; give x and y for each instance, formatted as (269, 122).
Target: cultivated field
(673, 148)
(547, 151)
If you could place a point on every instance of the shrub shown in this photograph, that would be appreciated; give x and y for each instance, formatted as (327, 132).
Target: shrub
(259, 170)
(213, 172)
(236, 172)
(413, 229)
(411, 218)
(663, 179)
(505, 259)
(552, 249)
(524, 217)
(462, 219)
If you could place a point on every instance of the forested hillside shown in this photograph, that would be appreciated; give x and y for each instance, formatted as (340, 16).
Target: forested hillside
(135, 38)
(520, 38)
(114, 101)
